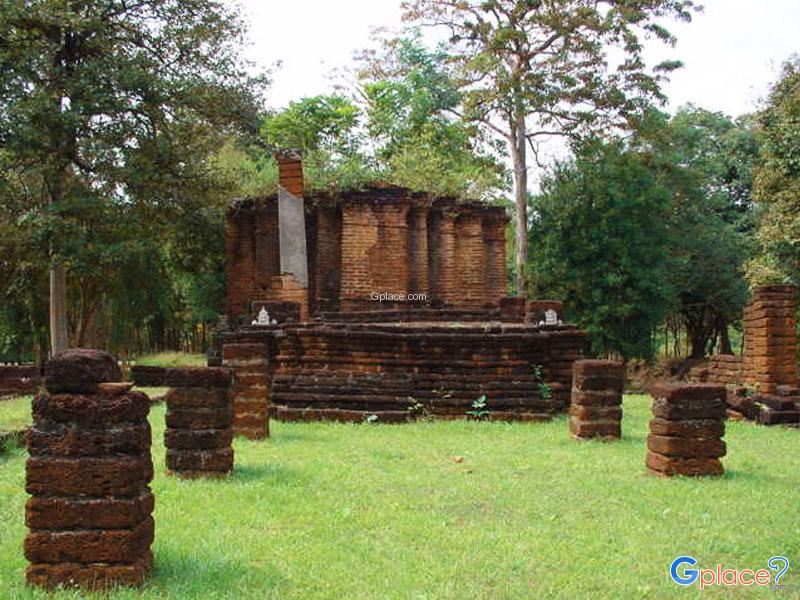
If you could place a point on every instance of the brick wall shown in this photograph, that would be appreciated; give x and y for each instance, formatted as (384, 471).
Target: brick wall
(470, 258)
(252, 253)
(327, 268)
(398, 371)
(442, 254)
(359, 252)
(417, 250)
(379, 240)
(770, 345)
(494, 240)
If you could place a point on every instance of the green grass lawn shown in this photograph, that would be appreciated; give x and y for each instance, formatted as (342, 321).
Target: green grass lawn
(15, 414)
(172, 359)
(382, 511)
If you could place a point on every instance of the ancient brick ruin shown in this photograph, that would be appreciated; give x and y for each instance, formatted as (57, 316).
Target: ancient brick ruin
(19, 379)
(199, 419)
(763, 382)
(687, 429)
(88, 474)
(596, 400)
(383, 304)
(250, 393)
(383, 239)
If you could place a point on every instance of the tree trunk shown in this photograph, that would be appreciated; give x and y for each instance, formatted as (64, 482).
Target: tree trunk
(519, 158)
(59, 339)
(724, 338)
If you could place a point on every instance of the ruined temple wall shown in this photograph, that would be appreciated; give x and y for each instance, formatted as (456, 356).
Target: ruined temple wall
(252, 253)
(470, 271)
(770, 345)
(524, 372)
(494, 241)
(377, 241)
(417, 250)
(327, 259)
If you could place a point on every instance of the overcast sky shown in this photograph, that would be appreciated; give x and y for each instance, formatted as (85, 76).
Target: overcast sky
(732, 50)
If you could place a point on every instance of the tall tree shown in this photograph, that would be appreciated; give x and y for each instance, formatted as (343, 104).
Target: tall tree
(117, 102)
(603, 240)
(777, 181)
(706, 160)
(410, 104)
(531, 69)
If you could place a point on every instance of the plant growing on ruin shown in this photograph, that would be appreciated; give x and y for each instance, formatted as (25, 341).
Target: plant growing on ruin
(418, 409)
(479, 408)
(544, 388)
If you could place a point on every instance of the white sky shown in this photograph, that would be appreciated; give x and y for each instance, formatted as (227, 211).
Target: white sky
(732, 50)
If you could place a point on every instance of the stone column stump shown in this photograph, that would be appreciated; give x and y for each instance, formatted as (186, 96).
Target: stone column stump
(687, 429)
(249, 364)
(199, 422)
(90, 514)
(596, 400)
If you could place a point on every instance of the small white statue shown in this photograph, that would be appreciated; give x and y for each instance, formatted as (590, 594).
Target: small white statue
(263, 318)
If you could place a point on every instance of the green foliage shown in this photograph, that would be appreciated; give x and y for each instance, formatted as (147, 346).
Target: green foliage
(172, 359)
(421, 140)
(545, 391)
(777, 182)
(530, 70)
(706, 160)
(325, 130)
(601, 244)
(479, 408)
(109, 115)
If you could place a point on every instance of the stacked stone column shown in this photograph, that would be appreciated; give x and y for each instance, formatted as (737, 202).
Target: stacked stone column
(770, 353)
(249, 364)
(687, 429)
(199, 422)
(596, 399)
(88, 473)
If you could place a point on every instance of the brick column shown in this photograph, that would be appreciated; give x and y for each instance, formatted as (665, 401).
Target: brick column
(250, 391)
(770, 330)
(596, 400)
(391, 269)
(494, 240)
(199, 422)
(442, 249)
(88, 473)
(470, 260)
(360, 250)
(686, 433)
(418, 250)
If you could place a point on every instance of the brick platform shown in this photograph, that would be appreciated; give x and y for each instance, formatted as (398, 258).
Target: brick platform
(687, 429)
(350, 371)
(88, 473)
(250, 366)
(596, 401)
(199, 422)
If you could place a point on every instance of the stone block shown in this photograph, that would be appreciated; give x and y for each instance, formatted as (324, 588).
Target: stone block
(78, 371)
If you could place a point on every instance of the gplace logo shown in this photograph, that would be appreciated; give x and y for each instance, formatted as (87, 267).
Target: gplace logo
(719, 576)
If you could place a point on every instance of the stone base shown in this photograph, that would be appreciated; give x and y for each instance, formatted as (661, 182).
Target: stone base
(585, 430)
(97, 576)
(219, 460)
(690, 467)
